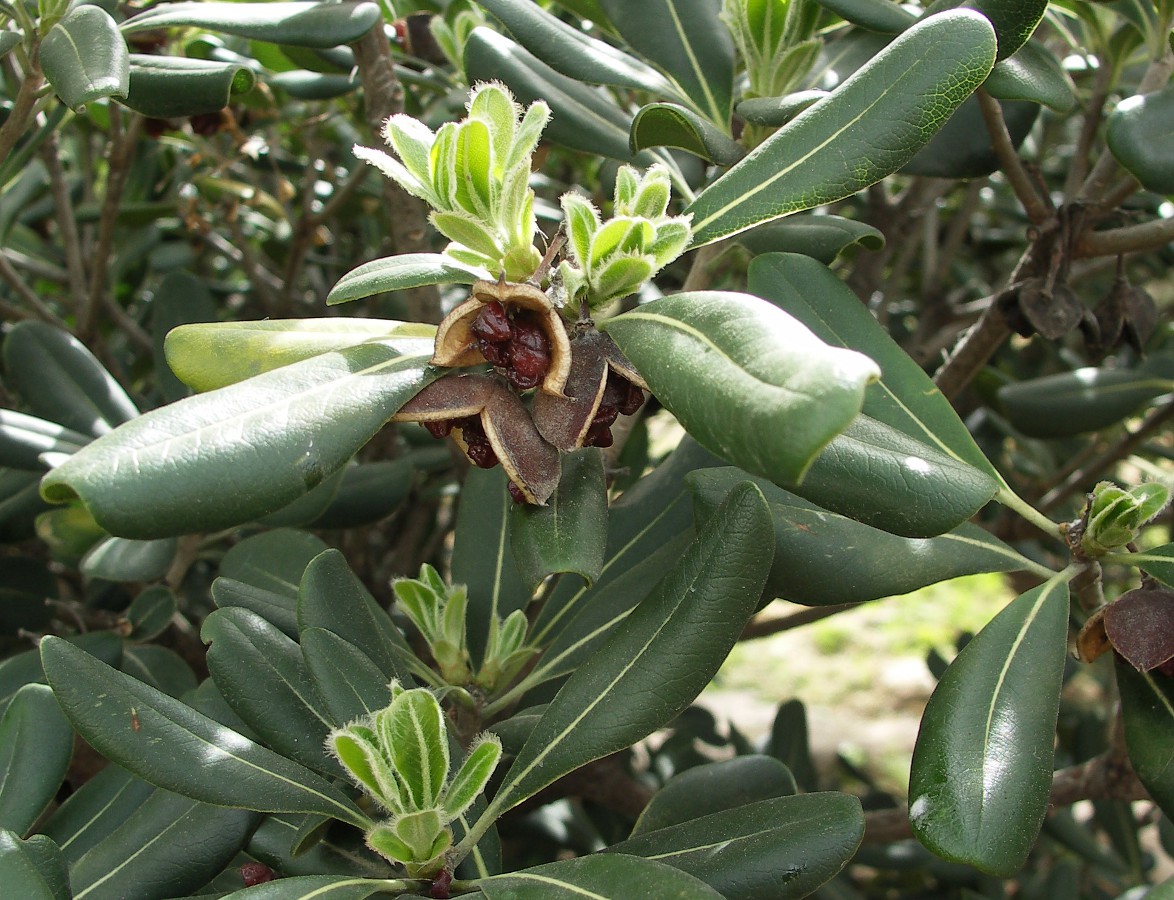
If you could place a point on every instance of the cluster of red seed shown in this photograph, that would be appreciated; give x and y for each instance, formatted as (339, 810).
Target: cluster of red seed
(619, 396)
(518, 345)
(479, 449)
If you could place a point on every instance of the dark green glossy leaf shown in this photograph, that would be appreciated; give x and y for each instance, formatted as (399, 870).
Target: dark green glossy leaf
(398, 273)
(963, 148)
(21, 505)
(263, 677)
(24, 438)
(823, 559)
(277, 609)
(61, 380)
(882, 16)
(272, 841)
(179, 749)
(168, 847)
(904, 397)
(745, 379)
(95, 810)
(1138, 127)
(867, 128)
(369, 492)
(687, 40)
(1014, 20)
(1147, 705)
(303, 85)
(982, 767)
(482, 559)
(308, 507)
(171, 86)
(36, 743)
(613, 877)
(1035, 74)
(789, 743)
(571, 52)
(160, 667)
(777, 111)
(714, 787)
(299, 24)
(85, 58)
(1083, 400)
(672, 125)
(32, 869)
(186, 467)
(120, 559)
(181, 299)
(332, 597)
(569, 534)
(25, 668)
(8, 41)
(584, 119)
(1158, 562)
(780, 848)
(273, 560)
(822, 237)
(659, 658)
(321, 887)
(349, 684)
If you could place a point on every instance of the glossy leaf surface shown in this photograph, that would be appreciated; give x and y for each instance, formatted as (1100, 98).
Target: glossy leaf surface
(299, 24)
(186, 467)
(781, 848)
(320, 887)
(1138, 128)
(120, 559)
(867, 128)
(85, 58)
(822, 237)
(687, 40)
(570, 532)
(573, 53)
(166, 86)
(1014, 20)
(672, 125)
(62, 381)
(659, 658)
(36, 743)
(32, 869)
(398, 273)
(24, 438)
(350, 684)
(883, 16)
(748, 381)
(332, 597)
(982, 766)
(713, 787)
(1035, 74)
(176, 747)
(904, 396)
(95, 809)
(168, 846)
(262, 675)
(599, 878)
(1147, 704)
(824, 559)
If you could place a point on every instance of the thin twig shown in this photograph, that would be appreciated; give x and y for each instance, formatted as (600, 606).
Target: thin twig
(28, 295)
(21, 115)
(703, 270)
(977, 345)
(75, 265)
(1036, 208)
(765, 627)
(1130, 239)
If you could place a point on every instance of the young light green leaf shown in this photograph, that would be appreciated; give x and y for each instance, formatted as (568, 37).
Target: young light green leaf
(894, 105)
(167, 743)
(414, 734)
(472, 777)
(184, 467)
(658, 659)
(747, 380)
(982, 767)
